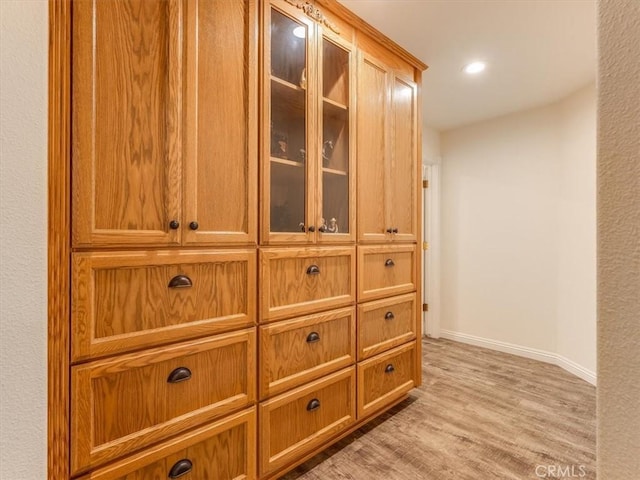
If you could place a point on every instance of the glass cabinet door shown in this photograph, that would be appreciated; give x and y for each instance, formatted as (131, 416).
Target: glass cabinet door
(335, 208)
(288, 65)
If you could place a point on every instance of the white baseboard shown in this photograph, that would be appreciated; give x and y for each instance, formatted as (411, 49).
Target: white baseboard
(533, 353)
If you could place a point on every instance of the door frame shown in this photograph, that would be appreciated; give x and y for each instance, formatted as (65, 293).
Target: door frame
(431, 258)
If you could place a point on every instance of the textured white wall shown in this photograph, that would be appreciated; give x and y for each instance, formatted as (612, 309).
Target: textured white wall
(23, 213)
(576, 230)
(518, 213)
(619, 240)
(499, 202)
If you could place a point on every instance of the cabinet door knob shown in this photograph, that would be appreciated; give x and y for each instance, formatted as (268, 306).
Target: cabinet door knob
(389, 263)
(322, 228)
(389, 316)
(181, 467)
(312, 228)
(313, 270)
(193, 225)
(389, 369)
(313, 337)
(174, 224)
(314, 404)
(180, 374)
(389, 230)
(302, 227)
(180, 281)
(395, 230)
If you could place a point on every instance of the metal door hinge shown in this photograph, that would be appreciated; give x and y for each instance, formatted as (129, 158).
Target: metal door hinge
(425, 183)
(425, 307)
(425, 245)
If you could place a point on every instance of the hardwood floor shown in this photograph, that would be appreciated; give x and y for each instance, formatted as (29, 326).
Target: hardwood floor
(479, 414)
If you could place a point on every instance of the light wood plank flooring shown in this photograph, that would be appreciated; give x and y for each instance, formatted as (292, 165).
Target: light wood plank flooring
(479, 415)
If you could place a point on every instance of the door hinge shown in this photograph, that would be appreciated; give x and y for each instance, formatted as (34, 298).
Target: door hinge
(425, 307)
(425, 245)
(425, 183)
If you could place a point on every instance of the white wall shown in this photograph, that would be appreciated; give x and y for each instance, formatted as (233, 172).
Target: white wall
(618, 240)
(518, 231)
(23, 213)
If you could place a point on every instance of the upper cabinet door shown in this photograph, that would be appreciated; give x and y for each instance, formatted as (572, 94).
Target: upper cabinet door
(335, 207)
(221, 133)
(373, 149)
(127, 117)
(288, 176)
(403, 171)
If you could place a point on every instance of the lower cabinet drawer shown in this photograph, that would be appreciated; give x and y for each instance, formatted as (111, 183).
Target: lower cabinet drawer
(385, 324)
(126, 403)
(385, 270)
(296, 422)
(293, 352)
(225, 450)
(386, 378)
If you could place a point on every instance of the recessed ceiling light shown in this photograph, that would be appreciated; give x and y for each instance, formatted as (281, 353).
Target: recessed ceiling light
(300, 32)
(474, 67)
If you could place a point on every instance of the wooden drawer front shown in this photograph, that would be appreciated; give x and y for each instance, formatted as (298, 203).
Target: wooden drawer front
(385, 378)
(225, 450)
(124, 301)
(297, 351)
(293, 423)
(386, 270)
(122, 404)
(295, 282)
(385, 324)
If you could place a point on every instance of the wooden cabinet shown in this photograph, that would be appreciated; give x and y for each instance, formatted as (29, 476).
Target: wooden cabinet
(164, 122)
(387, 153)
(308, 142)
(177, 321)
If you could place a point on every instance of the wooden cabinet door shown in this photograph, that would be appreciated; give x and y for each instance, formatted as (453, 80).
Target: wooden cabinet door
(126, 116)
(221, 123)
(402, 187)
(373, 149)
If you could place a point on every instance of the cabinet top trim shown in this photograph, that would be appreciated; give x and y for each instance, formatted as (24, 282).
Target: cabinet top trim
(364, 27)
(313, 12)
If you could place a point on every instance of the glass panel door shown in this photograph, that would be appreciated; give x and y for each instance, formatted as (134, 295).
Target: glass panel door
(335, 107)
(288, 123)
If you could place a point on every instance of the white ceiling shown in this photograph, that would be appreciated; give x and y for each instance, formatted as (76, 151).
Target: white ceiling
(537, 51)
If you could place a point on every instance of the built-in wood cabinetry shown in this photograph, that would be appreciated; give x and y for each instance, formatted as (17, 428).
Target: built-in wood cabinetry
(243, 251)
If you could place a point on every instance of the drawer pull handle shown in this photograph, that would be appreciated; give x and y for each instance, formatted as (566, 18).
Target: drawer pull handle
(182, 467)
(313, 270)
(389, 263)
(180, 281)
(180, 374)
(313, 405)
(389, 316)
(313, 337)
(390, 368)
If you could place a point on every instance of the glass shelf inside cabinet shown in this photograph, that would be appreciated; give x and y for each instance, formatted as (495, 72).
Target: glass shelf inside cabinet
(335, 138)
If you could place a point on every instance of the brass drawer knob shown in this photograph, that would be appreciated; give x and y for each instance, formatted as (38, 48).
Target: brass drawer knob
(181, 467)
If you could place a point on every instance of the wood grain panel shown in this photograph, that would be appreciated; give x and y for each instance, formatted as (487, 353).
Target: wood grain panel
(384, 324)
(224, 450)
(386, 270)
(373, 149)
(126, 403)
(127, 147)
(59, 239)
(289, 357)
(288, 429)
(288, 289)
(221, 122)
(122, 300)
(385, 378)
(405, 164)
